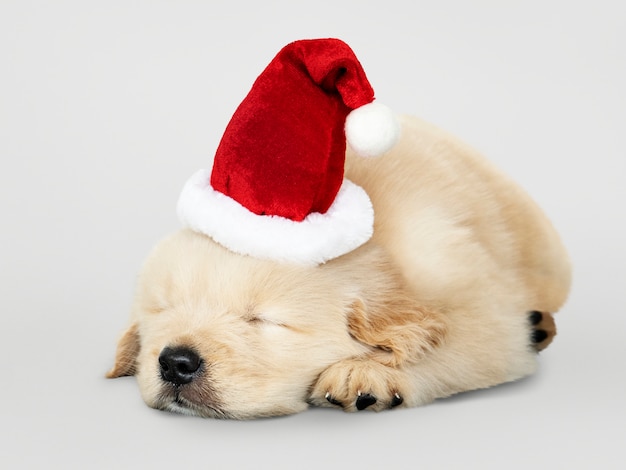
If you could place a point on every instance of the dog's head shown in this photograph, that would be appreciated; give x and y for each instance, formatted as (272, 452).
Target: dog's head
(217, 334)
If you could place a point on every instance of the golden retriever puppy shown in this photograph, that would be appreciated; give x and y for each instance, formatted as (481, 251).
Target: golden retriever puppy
(455, 291)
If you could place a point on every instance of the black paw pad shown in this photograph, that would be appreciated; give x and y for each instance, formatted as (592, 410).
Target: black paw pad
(397, 400)
(538, 336)
(365, 400)
(333, 401)
(535, 317)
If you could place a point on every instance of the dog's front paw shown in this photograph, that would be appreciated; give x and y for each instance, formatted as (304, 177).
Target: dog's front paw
(358, 384)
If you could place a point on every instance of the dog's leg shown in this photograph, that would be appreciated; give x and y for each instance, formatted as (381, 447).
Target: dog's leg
(416, 354)
(359, 383)
(459, 363)
(400, 333)
(454, 366)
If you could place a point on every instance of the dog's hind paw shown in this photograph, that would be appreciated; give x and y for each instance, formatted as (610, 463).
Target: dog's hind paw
(543, 329)
(359, 384)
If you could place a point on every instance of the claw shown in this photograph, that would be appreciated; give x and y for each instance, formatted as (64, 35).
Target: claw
(397, 400)
(331, 400)
(364, 400)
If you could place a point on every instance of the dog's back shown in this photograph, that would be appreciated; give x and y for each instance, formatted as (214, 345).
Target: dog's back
(458, 228)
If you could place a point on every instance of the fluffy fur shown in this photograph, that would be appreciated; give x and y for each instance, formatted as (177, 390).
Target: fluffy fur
(436, 303)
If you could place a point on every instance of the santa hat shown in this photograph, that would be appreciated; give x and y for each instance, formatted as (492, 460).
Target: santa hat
(276, 189)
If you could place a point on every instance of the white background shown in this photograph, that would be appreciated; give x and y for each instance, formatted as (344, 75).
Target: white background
(106, 108)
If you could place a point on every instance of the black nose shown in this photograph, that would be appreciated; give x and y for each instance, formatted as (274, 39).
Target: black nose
(179, 365)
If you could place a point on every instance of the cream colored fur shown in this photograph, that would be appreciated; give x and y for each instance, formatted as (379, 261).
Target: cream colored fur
(435, 304)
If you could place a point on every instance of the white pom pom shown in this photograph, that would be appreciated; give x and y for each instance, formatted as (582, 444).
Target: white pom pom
(372, 129)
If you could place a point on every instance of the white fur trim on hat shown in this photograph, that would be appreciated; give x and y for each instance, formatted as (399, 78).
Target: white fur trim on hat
(346, 225)
(372, 129)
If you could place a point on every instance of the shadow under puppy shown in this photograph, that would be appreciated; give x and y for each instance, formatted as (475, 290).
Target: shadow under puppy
(265, 304)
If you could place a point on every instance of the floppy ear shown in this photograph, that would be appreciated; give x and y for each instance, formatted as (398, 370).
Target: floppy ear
(126, 354)
(390, 319)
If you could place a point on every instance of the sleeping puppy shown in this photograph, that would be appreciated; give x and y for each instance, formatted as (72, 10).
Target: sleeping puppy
(455, 291)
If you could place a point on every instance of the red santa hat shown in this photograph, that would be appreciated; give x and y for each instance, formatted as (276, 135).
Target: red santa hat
(277, 189)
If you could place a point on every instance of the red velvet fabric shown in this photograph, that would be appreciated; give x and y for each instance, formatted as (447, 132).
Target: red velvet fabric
(283, 151)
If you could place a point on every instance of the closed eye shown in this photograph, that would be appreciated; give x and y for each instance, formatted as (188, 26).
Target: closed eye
(263, 320)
